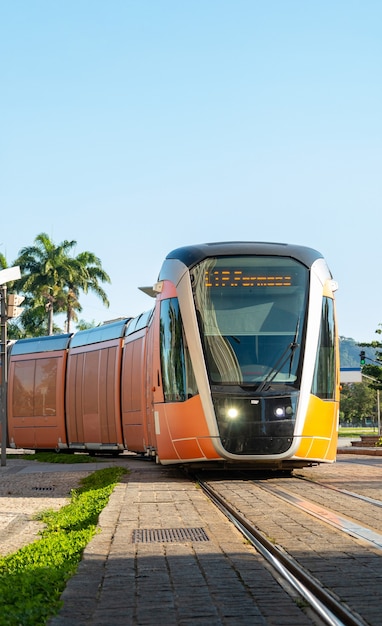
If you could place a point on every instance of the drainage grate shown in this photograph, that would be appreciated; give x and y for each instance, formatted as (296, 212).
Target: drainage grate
(42, 488)
(169, 535)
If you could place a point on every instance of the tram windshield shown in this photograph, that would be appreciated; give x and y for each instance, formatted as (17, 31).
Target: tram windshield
(251, 314)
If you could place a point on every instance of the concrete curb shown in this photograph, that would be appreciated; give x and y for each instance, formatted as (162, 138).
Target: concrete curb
(360, 451)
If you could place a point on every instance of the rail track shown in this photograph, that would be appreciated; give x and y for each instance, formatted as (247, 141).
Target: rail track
(323, 542)
(342, 523)
(346, 492)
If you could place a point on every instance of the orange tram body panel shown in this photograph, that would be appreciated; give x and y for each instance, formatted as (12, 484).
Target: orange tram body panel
(36, 386)
(236, 365)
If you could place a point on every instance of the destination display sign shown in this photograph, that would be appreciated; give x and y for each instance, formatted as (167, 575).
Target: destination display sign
(243, 278)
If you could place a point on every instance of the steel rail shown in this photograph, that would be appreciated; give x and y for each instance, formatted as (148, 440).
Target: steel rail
(351, 494)
(342, 523)
(330, 610)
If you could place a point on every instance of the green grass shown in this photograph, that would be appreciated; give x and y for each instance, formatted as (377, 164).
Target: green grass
(33, 578)
(54, 457)
(356, 432)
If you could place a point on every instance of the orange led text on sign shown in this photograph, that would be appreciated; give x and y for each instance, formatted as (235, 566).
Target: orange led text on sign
(236, 278)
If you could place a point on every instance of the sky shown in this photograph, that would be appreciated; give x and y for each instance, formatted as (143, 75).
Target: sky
(134, 127)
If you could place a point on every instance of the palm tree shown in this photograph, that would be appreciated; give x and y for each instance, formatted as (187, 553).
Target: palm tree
(87, 273)
(54, 278)
(3, 262)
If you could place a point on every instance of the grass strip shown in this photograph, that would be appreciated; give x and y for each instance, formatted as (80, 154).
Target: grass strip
(33, 578)
(54, 457)
(348, 431)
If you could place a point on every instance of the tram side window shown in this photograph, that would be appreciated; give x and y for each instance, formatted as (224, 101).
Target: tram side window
(324, 380)
(177, 372)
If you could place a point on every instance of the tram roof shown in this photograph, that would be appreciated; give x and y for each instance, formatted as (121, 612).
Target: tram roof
(41, 344)
(105, 332)
(190, 255)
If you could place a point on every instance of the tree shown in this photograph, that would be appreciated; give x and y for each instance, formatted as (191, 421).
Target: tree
(3, 262)
(358, 402)
(83, 325)
(374, 368)
(87, 273)
(32, 322)
(53, 279)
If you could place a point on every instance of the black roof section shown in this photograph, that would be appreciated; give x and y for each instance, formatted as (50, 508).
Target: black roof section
(191, 255)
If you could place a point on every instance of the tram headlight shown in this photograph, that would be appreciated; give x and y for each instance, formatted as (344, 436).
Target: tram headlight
(232, 413)
(283, 411)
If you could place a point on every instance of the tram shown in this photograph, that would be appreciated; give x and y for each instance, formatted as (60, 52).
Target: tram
(235, 365)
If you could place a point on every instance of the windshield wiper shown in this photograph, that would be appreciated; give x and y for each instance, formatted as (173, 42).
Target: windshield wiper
(287, 354)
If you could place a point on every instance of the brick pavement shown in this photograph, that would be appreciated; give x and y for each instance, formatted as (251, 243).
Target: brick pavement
(218, 581)
(27, 488)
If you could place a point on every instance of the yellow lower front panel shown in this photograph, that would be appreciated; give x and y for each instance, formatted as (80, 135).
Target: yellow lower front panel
(319, 434)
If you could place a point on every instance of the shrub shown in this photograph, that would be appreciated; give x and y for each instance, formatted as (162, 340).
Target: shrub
(33, 578)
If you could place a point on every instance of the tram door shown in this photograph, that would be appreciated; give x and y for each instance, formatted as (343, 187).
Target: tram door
(133, 397)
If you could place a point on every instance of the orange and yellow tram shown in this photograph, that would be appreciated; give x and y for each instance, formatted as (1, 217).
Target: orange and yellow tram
(236, 365)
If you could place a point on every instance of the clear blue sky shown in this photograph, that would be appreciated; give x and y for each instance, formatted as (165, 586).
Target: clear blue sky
(138, 126)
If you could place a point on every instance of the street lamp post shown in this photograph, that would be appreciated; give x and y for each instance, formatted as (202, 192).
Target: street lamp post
(4, 371)
(6, 276)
